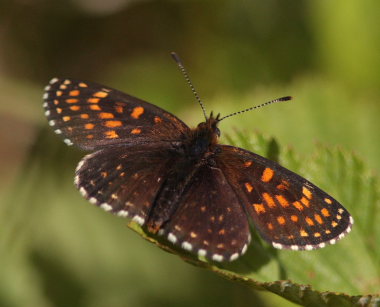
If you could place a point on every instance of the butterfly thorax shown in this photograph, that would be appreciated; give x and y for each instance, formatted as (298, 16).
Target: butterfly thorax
(202, 139)
(198, 149)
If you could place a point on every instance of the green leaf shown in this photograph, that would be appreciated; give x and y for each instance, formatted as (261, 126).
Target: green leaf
(337, 275)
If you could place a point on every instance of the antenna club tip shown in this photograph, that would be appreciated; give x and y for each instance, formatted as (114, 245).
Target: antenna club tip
(175, 57)
(286, 98)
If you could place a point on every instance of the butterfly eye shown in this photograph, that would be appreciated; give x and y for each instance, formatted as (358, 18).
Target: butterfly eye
(217, 131)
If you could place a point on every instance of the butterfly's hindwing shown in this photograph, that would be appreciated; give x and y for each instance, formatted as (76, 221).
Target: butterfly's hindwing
(209, 220)
(92, 116)
(288, 211)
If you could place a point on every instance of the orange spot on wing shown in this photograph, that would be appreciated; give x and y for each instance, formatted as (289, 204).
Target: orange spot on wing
(249, 187)
(84, 116)
(113, 123)
(282, 200)
(325, 212)
(82, 84)
(89, 126)
(269, 200)
(100, 94)
(72, 100)
(281, 220)
(66, 118)
(137, 112)
(136, 131)
(305, 201)
(294, 218)
(298, 205)
(318, 218)
(56, 102)
(111, 134)
(327, 231)
(119, 109)
(307, 192)
(247, 163)
(93, 100)
(90, 136)
(284, 185)
(74, 93)
(270, 226)
(95, 107)
(317, 234)
(334, 224)
(309, 221)
(328, 201)
(259, 208)
(104, 115)
(157, 119)
(75, 108)
(59, 110)
(267, 175)
(58, 93)
(303, 233)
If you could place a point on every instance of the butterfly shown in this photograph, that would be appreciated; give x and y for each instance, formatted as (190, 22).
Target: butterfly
(180, 183)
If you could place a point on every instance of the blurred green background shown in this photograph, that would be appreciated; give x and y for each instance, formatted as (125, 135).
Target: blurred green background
(55, 249)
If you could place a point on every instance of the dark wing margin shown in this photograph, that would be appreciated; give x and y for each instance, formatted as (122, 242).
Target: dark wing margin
(123, 181)
(287, 210)
(92, 116)
(209, 221)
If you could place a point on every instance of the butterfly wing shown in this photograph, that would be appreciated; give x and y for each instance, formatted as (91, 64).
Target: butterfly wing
(209, 220)
(93, 116)
(124, 180)
(288, 211)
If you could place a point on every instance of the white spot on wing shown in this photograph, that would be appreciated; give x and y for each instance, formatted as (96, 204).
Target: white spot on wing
(83, 192)
(234, 256)
(51, 122)
(45, 96)
(92, 200)
(202, 252)
(308, 247)
(172, 238)
(45, 104)
(187, 246)
(277, 245)
(68, 142)
(244, 249)
(138, 219)
(54, 80)
(217, 257)
(122, 213)
(294, 247)
(58, 131)
(79, 166)
(47, 113)
(333, 241)
(105, 207)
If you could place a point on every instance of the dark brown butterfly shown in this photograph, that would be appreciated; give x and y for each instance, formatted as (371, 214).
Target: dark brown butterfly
(146, 164)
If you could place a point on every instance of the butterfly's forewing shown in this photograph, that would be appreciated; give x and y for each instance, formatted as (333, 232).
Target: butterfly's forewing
(287, 210)
(93, 116)
(124, 180)
(209, 220)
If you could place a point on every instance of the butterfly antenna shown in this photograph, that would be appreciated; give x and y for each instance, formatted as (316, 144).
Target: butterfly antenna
(187, 78)
(286, 98)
